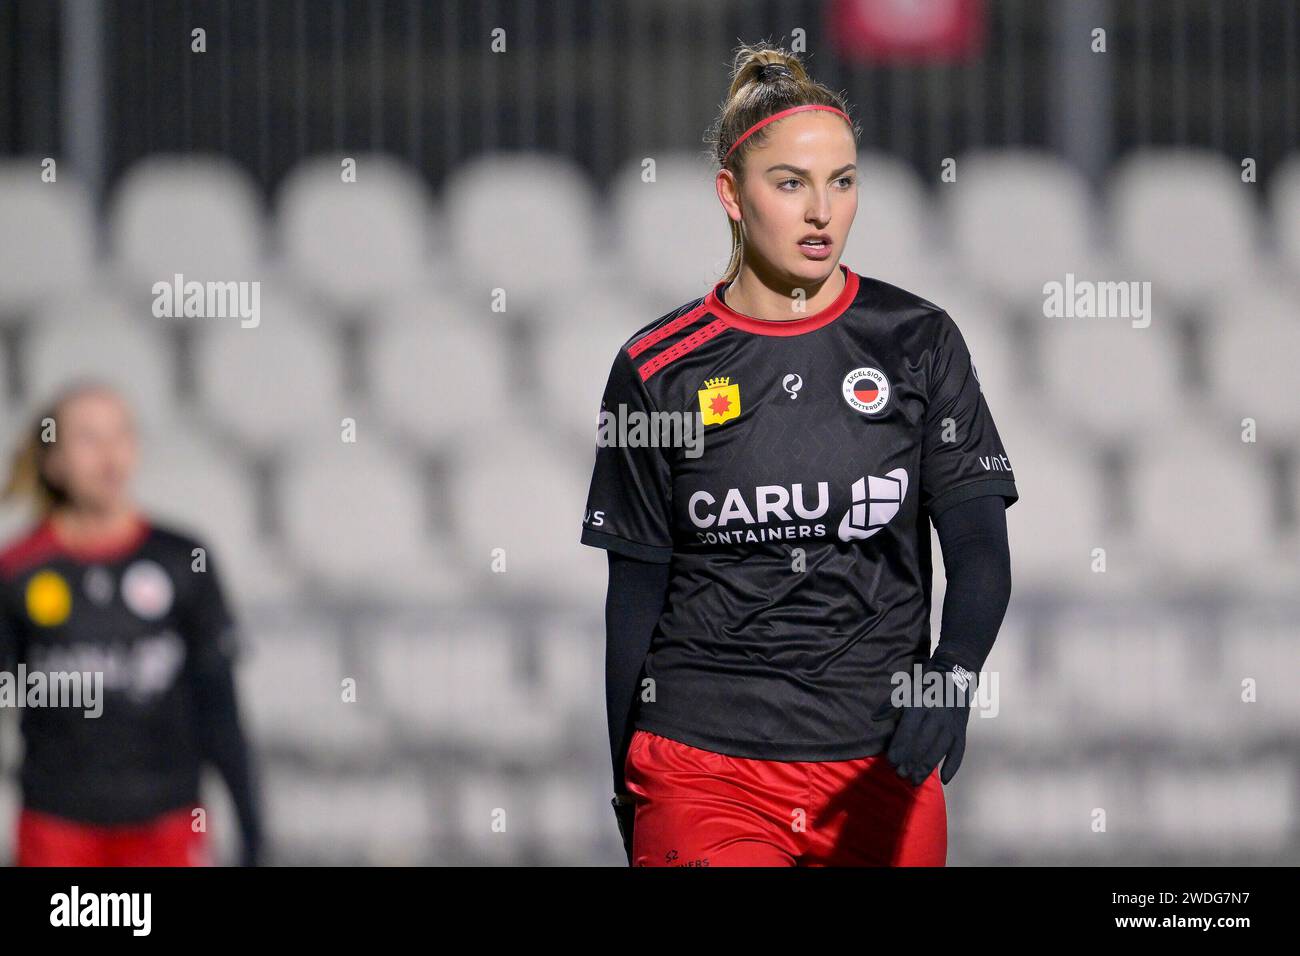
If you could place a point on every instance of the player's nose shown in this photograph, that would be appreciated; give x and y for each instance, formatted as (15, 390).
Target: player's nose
(819, 209)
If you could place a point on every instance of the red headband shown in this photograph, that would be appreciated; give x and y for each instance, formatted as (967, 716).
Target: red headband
(781, 115)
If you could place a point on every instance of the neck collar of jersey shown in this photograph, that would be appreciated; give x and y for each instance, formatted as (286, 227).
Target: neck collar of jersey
(108, 551)
(714, 303)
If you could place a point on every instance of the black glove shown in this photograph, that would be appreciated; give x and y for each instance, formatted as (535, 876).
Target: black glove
(925, 734)
(624, 805)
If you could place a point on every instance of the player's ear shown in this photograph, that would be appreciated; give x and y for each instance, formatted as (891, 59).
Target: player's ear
(728, 192)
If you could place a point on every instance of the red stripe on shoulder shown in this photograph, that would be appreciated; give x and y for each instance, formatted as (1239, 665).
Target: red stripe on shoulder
(688, 344)
(661, 333)
(41, 544)
(35, 546)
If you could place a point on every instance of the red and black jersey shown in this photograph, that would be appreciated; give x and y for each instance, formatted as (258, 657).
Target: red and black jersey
(796, 519)
(149, 617)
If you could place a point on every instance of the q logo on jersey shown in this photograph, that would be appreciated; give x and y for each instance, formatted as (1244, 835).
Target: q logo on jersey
(866, 390)
(49, 599)
(719, 400)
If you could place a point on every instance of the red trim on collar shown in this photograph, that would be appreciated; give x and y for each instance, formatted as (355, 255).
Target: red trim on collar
(106, 551)
(786, 326)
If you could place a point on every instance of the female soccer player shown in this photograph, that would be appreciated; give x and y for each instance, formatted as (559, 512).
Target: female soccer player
(132, 614)
(772, 699)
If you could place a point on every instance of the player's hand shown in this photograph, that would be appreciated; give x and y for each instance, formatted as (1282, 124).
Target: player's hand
(625, 812)
(928, 734)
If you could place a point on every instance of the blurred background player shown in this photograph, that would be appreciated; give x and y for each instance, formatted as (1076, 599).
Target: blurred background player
(97, 587)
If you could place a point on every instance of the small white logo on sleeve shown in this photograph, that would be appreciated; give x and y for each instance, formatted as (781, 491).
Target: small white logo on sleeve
(133, 910)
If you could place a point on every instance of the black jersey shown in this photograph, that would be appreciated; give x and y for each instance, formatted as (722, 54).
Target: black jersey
(147, 616)
(797, 530)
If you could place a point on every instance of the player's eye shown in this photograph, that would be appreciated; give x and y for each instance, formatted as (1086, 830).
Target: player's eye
(848, 180)
(784, 181)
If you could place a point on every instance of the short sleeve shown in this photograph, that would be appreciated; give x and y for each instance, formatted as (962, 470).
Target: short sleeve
(629, 501)
(962, 455)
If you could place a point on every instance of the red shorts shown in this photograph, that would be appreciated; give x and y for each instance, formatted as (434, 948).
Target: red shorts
(167, 840)
(699, 808)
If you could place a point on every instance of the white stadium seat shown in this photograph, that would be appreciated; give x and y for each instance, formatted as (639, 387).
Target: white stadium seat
(1252, 346)
(200, 216)
(1221, 810)
(439, 374)
(571, 670)
(1061, 516)
(1049, 809)
(463, 686)
(575, 351)
(354, 516)
(352, 241)
(1198, 813)
(381, 820)
(892, 237)
(1285, 206)
(96, 334)
(435, 680)
(265, 383)
(1260, 646)
(566, 813)
(291, 674)
(1121, 384)
(493, 815)
(187, 482)
(525, 223)
(1019, 219)
(1185, 221)
(1203, 505)
(47, 235)
(673, 239)
(1023, 706)
(1149, 663)
(521, 493)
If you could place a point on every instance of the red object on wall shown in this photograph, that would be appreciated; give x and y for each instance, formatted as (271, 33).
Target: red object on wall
(899, 31)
